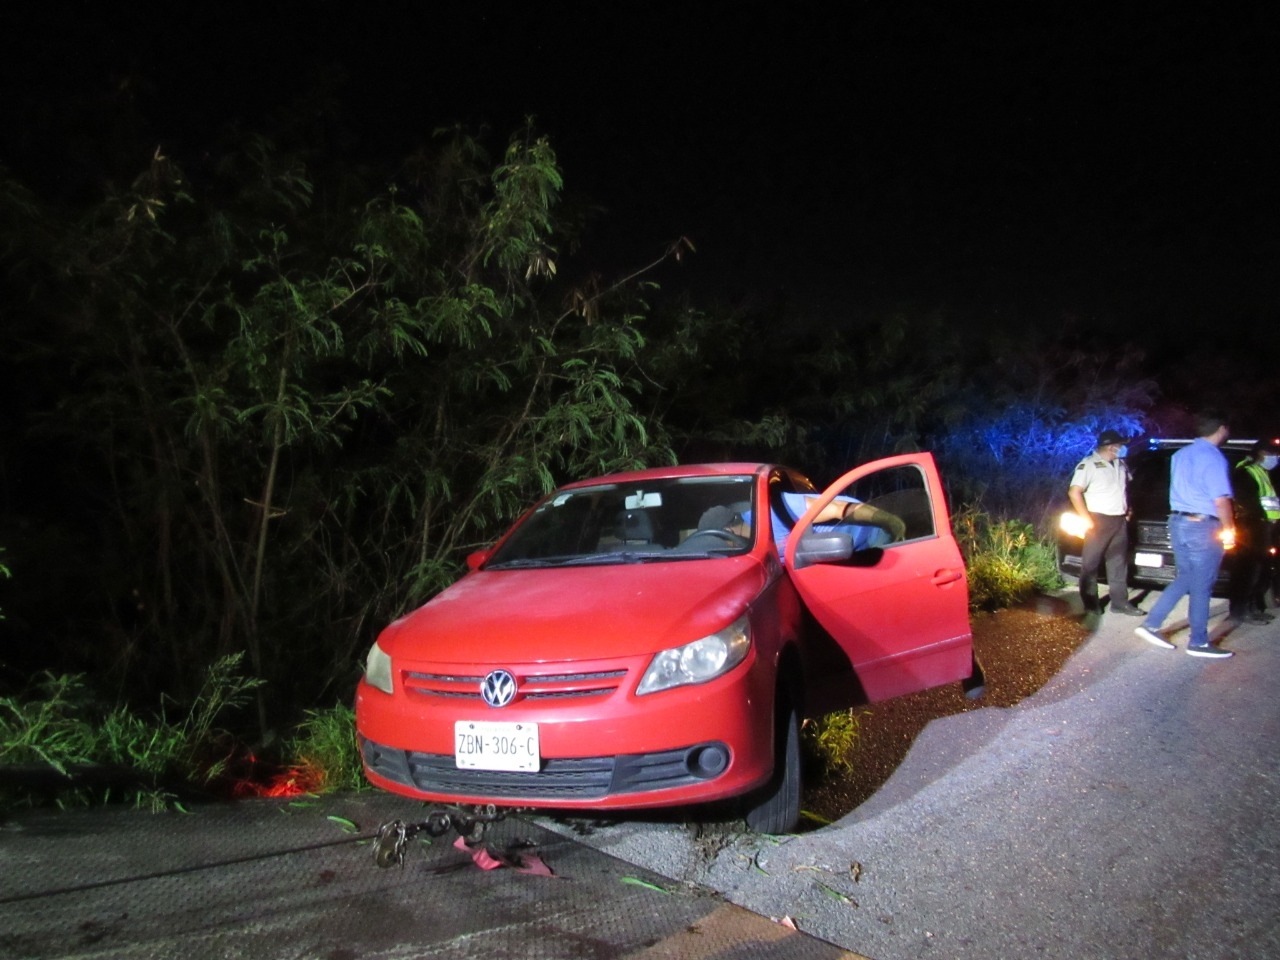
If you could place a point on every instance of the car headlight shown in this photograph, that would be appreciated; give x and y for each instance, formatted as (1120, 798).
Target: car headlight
(377, 669)
(1073, 525)
(699, 661)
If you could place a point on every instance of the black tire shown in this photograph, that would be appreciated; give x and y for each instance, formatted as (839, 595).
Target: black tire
(775, 808)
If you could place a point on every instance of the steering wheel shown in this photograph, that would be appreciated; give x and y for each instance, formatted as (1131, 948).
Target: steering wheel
(732, 539)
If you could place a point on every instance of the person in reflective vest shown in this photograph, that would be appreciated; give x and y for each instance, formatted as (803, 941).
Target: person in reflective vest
(1257, 512)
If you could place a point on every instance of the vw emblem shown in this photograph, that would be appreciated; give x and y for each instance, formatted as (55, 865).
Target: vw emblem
(498, 688)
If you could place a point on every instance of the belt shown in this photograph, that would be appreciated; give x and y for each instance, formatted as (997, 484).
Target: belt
(1193, 516)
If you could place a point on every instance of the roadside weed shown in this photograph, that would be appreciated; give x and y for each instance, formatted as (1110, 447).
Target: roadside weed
(325, 746)
(828, 741)
(1007, 561)
(101, 755)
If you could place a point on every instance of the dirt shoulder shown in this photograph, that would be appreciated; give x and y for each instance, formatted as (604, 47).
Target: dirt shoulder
(1020, 649)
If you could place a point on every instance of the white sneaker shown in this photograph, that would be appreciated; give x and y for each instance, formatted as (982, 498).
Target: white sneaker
(1154, 638)
(1216, 653)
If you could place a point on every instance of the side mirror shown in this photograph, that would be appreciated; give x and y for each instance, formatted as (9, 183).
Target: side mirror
(827, 547)
(477, 557)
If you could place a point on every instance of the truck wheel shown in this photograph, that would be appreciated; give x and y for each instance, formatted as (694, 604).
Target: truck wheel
(776, 807)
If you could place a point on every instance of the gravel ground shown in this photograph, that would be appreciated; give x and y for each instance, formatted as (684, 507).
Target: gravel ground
(1019, 649)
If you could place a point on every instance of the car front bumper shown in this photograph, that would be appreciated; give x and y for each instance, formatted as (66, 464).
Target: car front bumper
(694, 744)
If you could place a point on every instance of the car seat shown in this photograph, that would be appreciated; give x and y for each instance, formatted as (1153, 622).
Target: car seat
(633, 530)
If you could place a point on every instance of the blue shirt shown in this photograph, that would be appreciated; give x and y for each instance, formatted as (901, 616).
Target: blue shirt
(863, 535)
(1199, 474)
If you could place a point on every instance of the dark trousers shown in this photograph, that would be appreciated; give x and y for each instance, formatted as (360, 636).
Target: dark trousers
(1107, 541)
(1251, 568)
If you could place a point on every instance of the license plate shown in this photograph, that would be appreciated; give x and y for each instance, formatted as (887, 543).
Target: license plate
(495, 745)
(1148, 560)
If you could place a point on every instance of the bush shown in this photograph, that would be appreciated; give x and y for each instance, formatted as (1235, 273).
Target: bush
(827, 742)
(323, 754)
(1007, 561)
(96, 755)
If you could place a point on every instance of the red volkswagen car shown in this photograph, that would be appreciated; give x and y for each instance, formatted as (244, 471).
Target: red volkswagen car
(654, 638)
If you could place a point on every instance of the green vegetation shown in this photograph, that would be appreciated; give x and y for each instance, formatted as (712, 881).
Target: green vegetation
(304, 395)
(827, 742)
(115, 754)
(1006, 560)
(323, 751)
(141, 760)
(59, 723)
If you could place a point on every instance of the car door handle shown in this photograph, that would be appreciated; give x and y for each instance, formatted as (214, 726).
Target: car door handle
(946, 575)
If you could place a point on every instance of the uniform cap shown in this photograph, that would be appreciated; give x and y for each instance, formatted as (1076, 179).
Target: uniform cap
(1108, 437)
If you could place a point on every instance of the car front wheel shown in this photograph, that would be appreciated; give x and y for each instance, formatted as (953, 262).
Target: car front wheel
(775, 808)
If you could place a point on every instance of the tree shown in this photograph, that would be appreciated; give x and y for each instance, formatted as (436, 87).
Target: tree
(290, 407)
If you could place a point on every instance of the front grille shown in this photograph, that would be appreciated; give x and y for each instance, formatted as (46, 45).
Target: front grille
(579, 778)
(1153, 533)
(532, 686)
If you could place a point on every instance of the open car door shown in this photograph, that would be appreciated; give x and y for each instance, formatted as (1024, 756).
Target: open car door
(900, 611)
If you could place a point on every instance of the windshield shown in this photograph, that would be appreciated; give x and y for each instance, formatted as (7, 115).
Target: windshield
(682, 518)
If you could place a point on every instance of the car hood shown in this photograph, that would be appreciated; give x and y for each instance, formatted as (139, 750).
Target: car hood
(575, 613)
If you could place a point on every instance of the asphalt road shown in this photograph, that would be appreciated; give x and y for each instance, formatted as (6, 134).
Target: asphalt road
(296, 880)
(1126, 810)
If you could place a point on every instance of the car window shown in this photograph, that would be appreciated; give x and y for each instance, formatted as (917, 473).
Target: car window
(903, 492)
(654, 521)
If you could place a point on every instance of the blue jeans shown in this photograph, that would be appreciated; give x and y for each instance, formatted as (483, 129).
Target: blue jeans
(1198, 552)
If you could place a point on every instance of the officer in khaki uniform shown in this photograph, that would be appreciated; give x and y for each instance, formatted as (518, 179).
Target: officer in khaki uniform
(1099, 494)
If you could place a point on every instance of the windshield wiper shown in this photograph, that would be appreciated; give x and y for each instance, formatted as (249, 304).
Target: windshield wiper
(523, 563)
(620, 556)
(586, 560)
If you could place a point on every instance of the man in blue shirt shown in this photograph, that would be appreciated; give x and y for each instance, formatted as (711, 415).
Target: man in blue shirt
(1201, 526)
(868, 526)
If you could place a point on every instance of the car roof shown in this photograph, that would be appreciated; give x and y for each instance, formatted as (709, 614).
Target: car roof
(1173, 443)
(673, 471)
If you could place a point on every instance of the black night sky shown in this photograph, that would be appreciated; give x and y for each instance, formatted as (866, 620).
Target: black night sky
(1060, 183)
(1014, 164)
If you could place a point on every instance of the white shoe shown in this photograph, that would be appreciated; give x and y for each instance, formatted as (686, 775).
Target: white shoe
(1154, 638)
(1216, 653)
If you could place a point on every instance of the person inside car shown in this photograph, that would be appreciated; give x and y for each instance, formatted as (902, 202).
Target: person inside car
(867, 525)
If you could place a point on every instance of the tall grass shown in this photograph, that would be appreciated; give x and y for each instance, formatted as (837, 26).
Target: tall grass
(60, 726)
(323, 751)
(827, 742)
(1006, 560)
